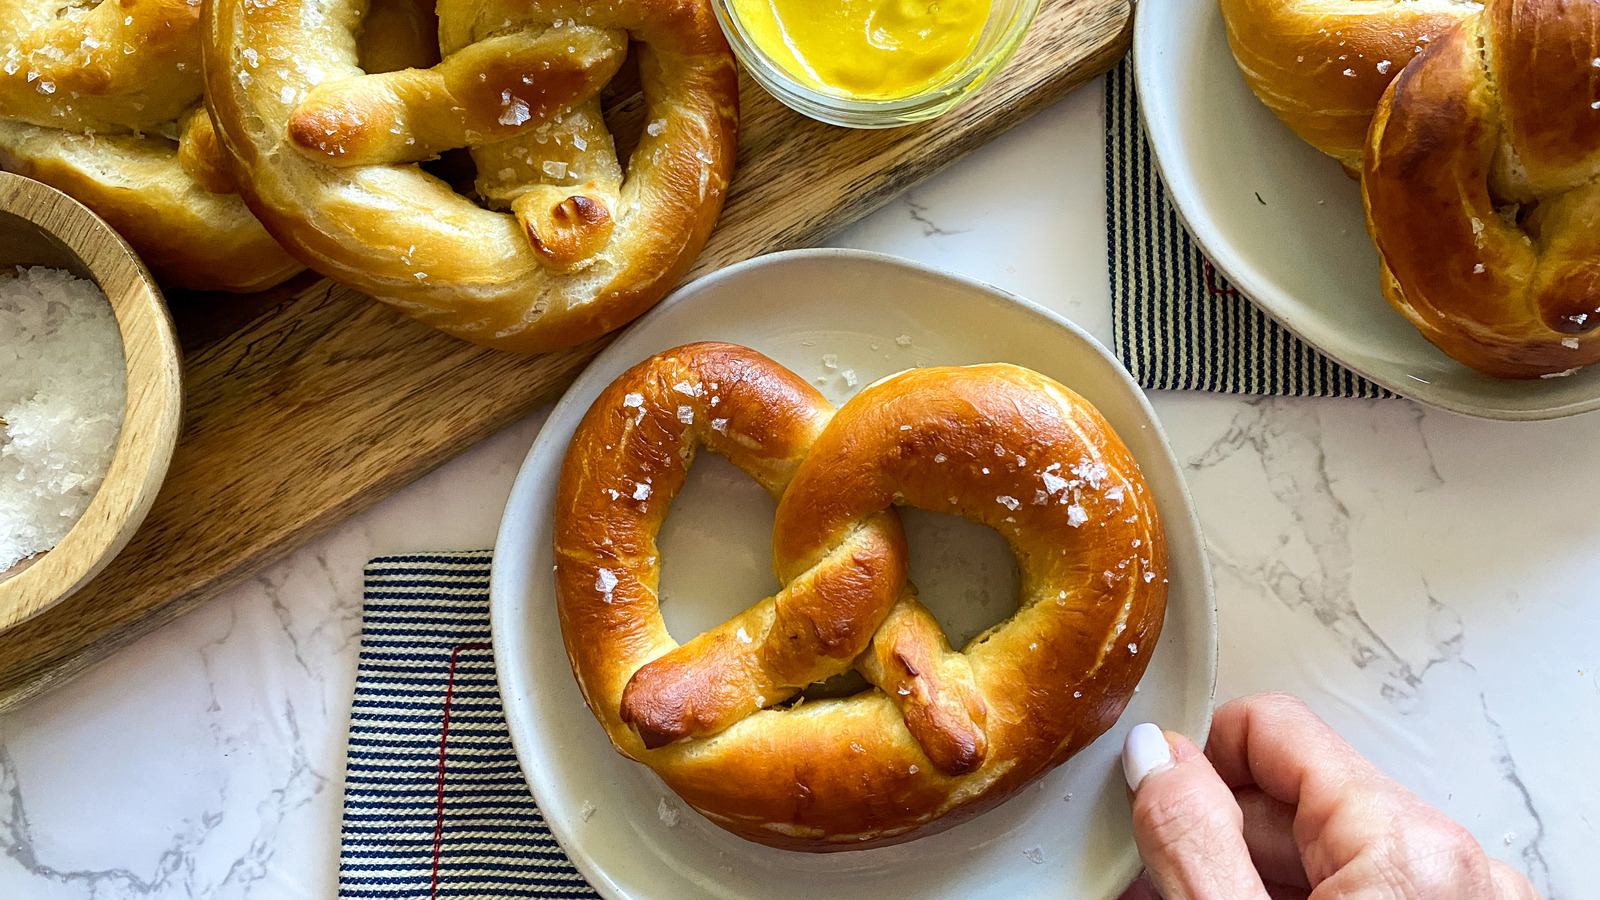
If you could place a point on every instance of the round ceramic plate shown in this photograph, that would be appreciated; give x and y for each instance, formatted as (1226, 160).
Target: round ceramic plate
(1301, 250)
(843, 319)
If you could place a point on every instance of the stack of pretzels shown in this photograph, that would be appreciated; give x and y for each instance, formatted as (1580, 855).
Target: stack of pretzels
(1476, 132)
(941, 734)
(317, 117)
(103, 102)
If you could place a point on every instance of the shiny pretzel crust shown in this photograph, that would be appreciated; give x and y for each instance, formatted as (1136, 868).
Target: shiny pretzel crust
(1482, 189)
(1322, 65)
(278, 71)
(943, 735)
(103, 104)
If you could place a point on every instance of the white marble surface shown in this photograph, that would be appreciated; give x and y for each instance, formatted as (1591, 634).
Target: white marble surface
(1425, 581)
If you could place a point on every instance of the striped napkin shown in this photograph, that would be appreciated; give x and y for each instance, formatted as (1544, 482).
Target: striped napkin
(434, 801)
(1177, 323)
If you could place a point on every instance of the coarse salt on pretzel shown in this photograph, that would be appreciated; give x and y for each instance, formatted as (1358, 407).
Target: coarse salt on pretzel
(566, 245)
(1482, 189)
(1322, 65)
(941, 735)
(103, 102)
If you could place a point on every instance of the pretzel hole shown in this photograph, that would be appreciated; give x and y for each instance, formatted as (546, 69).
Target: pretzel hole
(622, 107)
(456, 168)
(715, 548)
(966, 573)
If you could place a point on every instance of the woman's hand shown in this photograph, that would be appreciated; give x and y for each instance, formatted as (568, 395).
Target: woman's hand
(1280, 806)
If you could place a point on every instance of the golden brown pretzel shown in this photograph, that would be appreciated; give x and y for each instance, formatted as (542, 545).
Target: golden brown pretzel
(1482, 186)
(326, 155)
(942, 735)
(103, 102)
(1321, 65)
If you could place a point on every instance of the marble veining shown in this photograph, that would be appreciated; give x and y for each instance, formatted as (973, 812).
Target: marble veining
(1424, 580)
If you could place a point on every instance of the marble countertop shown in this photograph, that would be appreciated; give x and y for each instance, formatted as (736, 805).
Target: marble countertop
(1425, 581)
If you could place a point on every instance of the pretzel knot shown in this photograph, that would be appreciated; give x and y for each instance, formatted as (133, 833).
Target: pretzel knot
(941, 734)
(1482, 186)
(102, 101)
(326, 155)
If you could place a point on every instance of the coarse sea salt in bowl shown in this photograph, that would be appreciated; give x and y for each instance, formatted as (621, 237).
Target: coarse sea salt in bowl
(90, 395)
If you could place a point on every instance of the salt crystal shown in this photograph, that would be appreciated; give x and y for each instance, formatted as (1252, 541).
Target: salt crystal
(641, 491)
(657, 128)
(1034, 855)
(903, 340)
(1570, 343)
(1133, 648)
(830, 360)
(605, 582)
(587, 811)
(742, 635)
(633, 400)
(63, 386)
(555, 169)
(1076, 516)
(685, 415)
(720, 425)
(849, 377)
(939, 457)
(1007, 501)
(669, 814)
(1383, 67)
(1053, 483)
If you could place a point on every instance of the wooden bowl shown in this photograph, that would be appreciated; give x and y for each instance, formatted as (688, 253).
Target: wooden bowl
(40, 226)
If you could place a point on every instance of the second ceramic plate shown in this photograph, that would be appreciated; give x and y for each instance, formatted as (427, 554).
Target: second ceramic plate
(842, 319)
(1285, 224)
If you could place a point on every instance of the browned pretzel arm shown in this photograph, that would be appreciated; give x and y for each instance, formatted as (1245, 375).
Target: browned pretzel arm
(314, 146)
(912, 663)
(489, 91)
(1481, 189)
(1322, 65)
(943, 734)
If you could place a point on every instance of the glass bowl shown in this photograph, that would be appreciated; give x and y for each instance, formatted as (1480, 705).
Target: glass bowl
(1003, 32)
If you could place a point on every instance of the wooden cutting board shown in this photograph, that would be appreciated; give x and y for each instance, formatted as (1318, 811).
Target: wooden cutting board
(325, 401)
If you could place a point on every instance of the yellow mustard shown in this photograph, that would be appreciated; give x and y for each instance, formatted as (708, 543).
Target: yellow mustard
(868, 49)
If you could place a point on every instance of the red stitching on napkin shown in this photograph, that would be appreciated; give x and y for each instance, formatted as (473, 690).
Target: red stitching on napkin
(444, 739)
(1211, 282)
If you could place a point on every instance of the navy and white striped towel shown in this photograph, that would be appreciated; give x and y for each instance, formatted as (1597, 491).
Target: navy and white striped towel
(434, 802)
(1178, 323)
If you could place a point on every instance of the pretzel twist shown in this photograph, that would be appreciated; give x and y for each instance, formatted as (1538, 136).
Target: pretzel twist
(1322, 65)
(103, 103)
(326, 155)
(1482, 188)
(942, 735)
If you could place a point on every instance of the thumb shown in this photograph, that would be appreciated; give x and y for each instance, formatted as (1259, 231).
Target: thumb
(1188, 827)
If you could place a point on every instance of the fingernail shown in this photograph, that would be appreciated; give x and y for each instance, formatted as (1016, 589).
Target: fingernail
(1144, 753)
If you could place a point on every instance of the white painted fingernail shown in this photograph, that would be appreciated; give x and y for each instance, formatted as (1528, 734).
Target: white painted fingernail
(1144, 753)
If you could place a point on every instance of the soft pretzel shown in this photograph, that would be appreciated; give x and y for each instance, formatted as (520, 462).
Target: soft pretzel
(103, 102)
(326, 155)
(1482, 187)
(941, 735)
(1322, 65)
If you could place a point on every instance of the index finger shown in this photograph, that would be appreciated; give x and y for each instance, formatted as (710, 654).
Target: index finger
(1275, 742)
(1347, 813)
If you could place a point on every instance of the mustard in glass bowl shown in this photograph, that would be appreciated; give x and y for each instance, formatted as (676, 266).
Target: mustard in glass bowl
(874, 63)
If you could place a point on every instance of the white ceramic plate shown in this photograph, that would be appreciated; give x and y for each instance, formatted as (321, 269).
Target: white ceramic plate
(1301, 252)
(872, 315)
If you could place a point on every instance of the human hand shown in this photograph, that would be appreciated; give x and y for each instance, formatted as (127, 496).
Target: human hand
(1280, 806)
